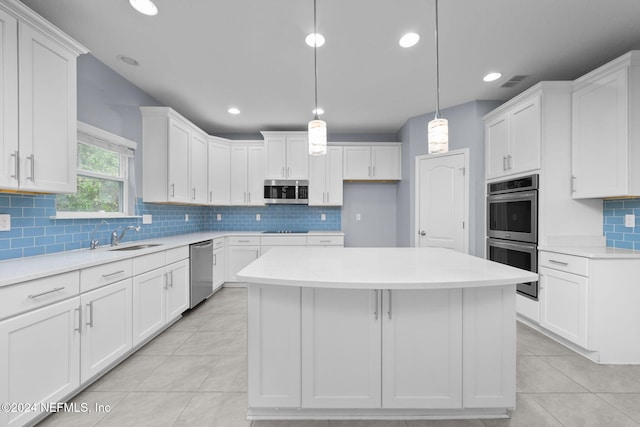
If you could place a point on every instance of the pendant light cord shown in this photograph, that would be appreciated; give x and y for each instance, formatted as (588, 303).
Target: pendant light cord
(437, 68)
(315, 60)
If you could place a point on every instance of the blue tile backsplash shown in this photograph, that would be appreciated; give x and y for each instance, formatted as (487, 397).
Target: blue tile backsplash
(617, 235)
(33, 232)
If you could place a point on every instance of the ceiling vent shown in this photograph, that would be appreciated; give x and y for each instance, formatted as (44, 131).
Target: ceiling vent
(514, 81)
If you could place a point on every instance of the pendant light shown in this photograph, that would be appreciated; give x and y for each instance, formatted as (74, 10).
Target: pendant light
(317, 127)
(438, 128)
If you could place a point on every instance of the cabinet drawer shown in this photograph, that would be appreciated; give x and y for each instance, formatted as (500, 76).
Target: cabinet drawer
(177, 254)
(218, 243)
(30, 295)
(563, 262)
(100, 275)
(284, 240)
(325, 240)
(145, 263)
(244, 240)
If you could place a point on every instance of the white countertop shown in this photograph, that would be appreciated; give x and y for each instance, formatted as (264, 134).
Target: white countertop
(18, 270)
(379, 268)
(594, 252)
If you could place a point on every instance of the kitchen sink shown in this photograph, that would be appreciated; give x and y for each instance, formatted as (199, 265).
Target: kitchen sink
(136, 247)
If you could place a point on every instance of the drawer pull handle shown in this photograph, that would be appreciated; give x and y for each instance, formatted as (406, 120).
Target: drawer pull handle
(553, 261)
(47, 292)
(325, 241)
(106, 276)
(243, 241)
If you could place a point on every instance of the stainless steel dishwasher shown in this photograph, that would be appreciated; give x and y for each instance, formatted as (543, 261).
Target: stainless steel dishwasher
(201, 265)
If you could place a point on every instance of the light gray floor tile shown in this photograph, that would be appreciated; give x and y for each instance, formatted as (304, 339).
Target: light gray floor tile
(626, 403)
(147, 409)
(596, 378)
(165, 344)
(127, 375)
(444, 423)
(237, 347)
(98, 405)
(179, 373)
(224, 322)
(206, 344)
(215, 410)
(301, 423)
(535, 376)
(531, 341)
(528, 413)
(582, 410)
(228, 375)
(190, 322)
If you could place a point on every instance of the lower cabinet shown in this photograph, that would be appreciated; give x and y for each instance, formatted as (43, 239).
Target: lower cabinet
(39, 358)
(239, 258)
(177, 289)
(106, 327)
(219, 270)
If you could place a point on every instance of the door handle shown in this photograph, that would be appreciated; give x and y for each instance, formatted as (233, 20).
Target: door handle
(16, 155)
(389, 311)
(375, 311)
(423, 233)
(32, 159)
(90, 315)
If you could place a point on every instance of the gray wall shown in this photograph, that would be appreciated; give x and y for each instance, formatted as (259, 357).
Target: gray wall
(376, 204)
(466, 130)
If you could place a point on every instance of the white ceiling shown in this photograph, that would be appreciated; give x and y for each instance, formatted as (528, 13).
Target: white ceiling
(203, 56)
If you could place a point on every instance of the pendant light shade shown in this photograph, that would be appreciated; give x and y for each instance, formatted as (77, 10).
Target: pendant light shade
(317, 137)
(317, 128)
(438, 128)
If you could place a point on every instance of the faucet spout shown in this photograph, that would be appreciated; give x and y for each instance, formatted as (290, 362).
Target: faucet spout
(115, 239)
(95, 242)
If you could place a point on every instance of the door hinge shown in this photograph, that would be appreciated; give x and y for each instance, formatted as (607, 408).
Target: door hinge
(464, 171)
(463, 224)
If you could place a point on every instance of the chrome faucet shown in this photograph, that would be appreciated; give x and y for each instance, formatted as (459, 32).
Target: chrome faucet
(95, 242)
(115, 239)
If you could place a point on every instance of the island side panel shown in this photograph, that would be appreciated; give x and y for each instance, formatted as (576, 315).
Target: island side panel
(274, 321)
(489, 342)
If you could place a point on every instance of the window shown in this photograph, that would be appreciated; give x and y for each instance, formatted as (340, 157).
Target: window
(105, 164)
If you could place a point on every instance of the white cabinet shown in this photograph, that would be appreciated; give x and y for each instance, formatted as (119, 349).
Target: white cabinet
(247, 175)
(241, 251)
(175, 169)
(219, 263)
(39, 102)
(219, 172)
(606, 132)
(513, 139)
(286, 155)
(325, 178)
(372, 162)
(177, 290)
(39, 358)
(106, 327)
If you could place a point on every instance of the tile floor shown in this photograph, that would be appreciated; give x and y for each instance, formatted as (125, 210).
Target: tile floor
(194, 374)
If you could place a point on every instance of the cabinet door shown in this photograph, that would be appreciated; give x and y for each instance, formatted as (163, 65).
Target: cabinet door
(525, 137)
(39, 358)
(178, 161)
(385, 162)
(318, 180)
(422, 349)
(600, 137)
(297, 157)
(8, 101)
(333, 181)
(148, 304)
(275, 157)
(219, 270)
(341, 339)
(357, 163)
(497, 147)
(239, 175)
(255, 179)
(274, 337)
(563, 305)
(219, 174)
(177, 300)
(106, 327)
(47, 113)
(239, 258)
(198, 169)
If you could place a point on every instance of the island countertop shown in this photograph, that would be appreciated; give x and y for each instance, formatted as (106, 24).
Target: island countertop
(376, 268)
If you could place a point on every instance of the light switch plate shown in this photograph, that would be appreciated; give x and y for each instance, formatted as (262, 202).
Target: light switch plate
(186, 217)
(257, 217)
(629, 220)
(5, 222)
(147, 219)
(323, 217)
(219, 217)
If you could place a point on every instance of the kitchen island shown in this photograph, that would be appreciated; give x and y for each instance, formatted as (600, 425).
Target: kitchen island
(380, 333)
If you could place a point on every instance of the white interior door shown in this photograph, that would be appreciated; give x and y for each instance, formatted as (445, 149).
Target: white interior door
(442, 200)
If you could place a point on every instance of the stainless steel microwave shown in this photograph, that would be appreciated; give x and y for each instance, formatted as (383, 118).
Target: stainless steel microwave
(286, 191)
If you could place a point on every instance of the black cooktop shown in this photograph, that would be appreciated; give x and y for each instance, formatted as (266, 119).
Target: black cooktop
(285, 232)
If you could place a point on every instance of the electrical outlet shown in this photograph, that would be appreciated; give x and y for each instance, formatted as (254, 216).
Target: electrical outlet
(147, 219)
(358, 217)
(629, 220)
(323, 217)
(219, 217)
(257, 217)
(5, 222)
(186, 217)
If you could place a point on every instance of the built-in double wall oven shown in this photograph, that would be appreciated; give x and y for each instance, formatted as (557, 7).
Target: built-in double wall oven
(512, 226)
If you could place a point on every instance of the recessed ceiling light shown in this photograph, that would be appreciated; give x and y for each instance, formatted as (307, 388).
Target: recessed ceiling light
(128, 60)
(233, 110)
(146, 7)
(314, 40)
(318, 111)
(492, 77)
(409, 39)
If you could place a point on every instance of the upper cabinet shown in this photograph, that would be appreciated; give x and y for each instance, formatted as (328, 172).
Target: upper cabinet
(38, 103)
(370, 162)
(513, 139)
(606, 130)
(286, 155)
(174, 157)
(247, 174)
(325, 178)
(219, 172)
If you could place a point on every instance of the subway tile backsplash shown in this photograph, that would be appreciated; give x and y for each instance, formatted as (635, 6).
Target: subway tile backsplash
(615, 231)
(33, 232)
